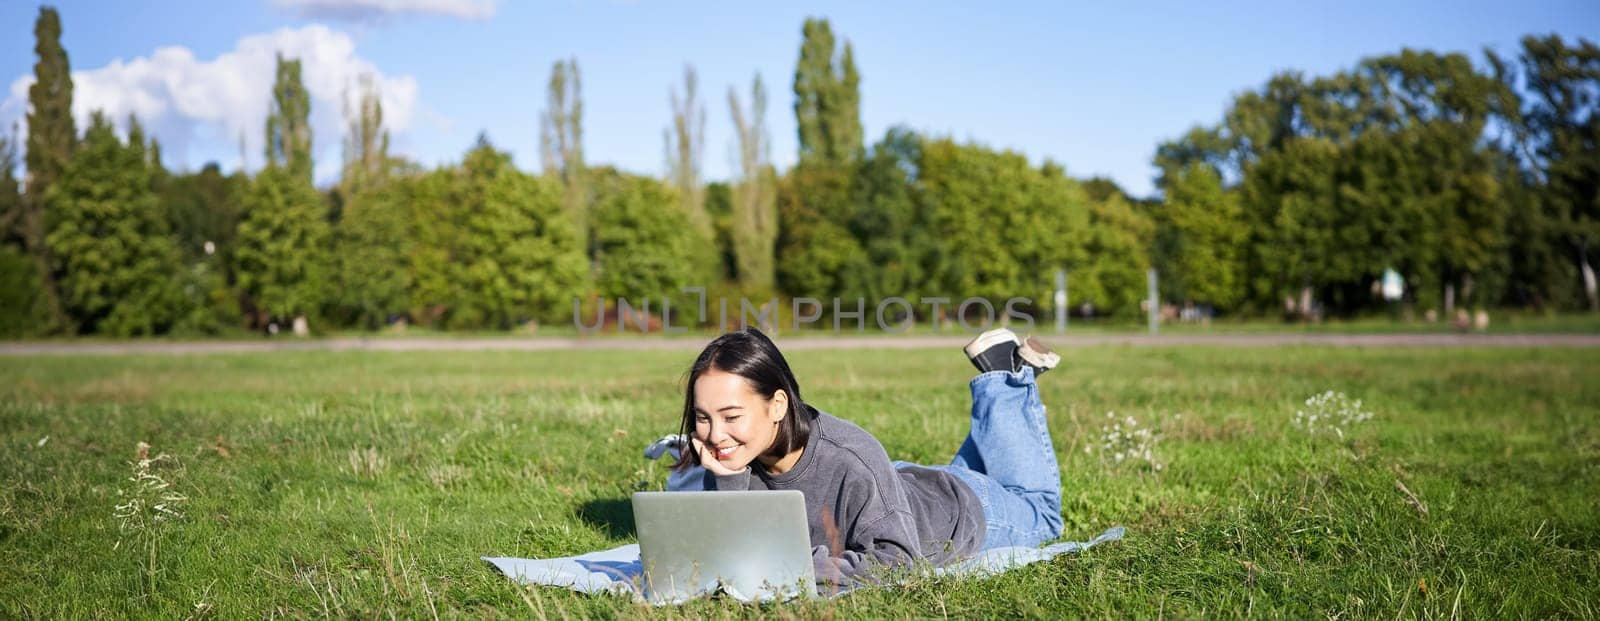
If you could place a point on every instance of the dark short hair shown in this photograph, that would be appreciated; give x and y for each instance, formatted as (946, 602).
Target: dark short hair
(751, 355)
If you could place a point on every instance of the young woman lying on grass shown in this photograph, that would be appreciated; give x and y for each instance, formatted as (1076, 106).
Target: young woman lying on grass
(751, 430)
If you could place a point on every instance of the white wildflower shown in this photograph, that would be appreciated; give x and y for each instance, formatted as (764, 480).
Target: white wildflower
(148, 500)
(1330, 412)
(1124, 441)
(147, 505)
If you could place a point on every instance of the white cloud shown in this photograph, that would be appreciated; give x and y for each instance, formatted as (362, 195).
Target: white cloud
(359, 10)
(207, 105)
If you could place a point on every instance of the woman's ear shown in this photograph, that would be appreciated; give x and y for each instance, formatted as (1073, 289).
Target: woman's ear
(778, 407)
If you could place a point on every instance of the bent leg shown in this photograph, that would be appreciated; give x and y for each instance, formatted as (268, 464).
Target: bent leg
(1010, 446)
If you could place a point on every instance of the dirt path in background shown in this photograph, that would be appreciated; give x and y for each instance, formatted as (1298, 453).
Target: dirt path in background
(804, 342)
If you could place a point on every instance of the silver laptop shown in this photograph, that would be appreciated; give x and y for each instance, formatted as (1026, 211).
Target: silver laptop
(749, 545)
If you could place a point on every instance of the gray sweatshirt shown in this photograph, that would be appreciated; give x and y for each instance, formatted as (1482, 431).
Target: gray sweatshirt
(865, 514)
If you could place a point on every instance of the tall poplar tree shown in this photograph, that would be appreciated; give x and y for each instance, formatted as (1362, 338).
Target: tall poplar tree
(561, 145)
(288, 122)
(366, 143)
(52, 135)
(283, 236)
(827, 102)
(51, 130)
(816, 201)
(844, 122)
(755, 214)
(373, 235)
(685, 148)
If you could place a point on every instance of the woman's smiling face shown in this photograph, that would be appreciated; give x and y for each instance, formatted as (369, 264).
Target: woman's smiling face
(733, 420)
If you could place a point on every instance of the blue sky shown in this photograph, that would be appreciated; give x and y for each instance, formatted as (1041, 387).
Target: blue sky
(1094, 86)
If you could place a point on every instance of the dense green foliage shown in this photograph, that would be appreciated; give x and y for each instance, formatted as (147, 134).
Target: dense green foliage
(1560, 137)
(1002, 227)
(22, 313)
(1476, 182)
(1417, 161)
(895, 229)
(109, 237)
(375, 239)
(477, 245)
(646, 246)
(521, 257)
(11, 199)
(816, 255)
(282, 246)
(204, 207)
(381, 478)
(1201, 239)
(1114, 277)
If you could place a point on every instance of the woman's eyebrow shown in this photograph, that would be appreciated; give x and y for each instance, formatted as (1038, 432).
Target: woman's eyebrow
(724, 408)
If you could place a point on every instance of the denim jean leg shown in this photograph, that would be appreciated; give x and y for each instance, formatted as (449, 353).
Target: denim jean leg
(1011, 442)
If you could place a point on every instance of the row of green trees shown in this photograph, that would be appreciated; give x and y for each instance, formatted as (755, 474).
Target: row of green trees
(1477, 184)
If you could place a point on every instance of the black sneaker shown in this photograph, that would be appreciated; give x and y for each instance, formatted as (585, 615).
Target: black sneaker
(1034, 353)
(995, 350)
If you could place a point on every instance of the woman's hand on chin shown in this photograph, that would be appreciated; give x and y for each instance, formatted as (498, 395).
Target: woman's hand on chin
(708, 459)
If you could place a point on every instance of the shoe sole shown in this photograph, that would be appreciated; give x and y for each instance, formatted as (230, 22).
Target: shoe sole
(1037, 355)
(987, 340)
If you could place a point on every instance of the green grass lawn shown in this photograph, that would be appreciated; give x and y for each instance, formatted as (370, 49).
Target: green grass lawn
(358, 484)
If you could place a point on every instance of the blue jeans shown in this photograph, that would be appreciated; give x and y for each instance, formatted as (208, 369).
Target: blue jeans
(1009, 462)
